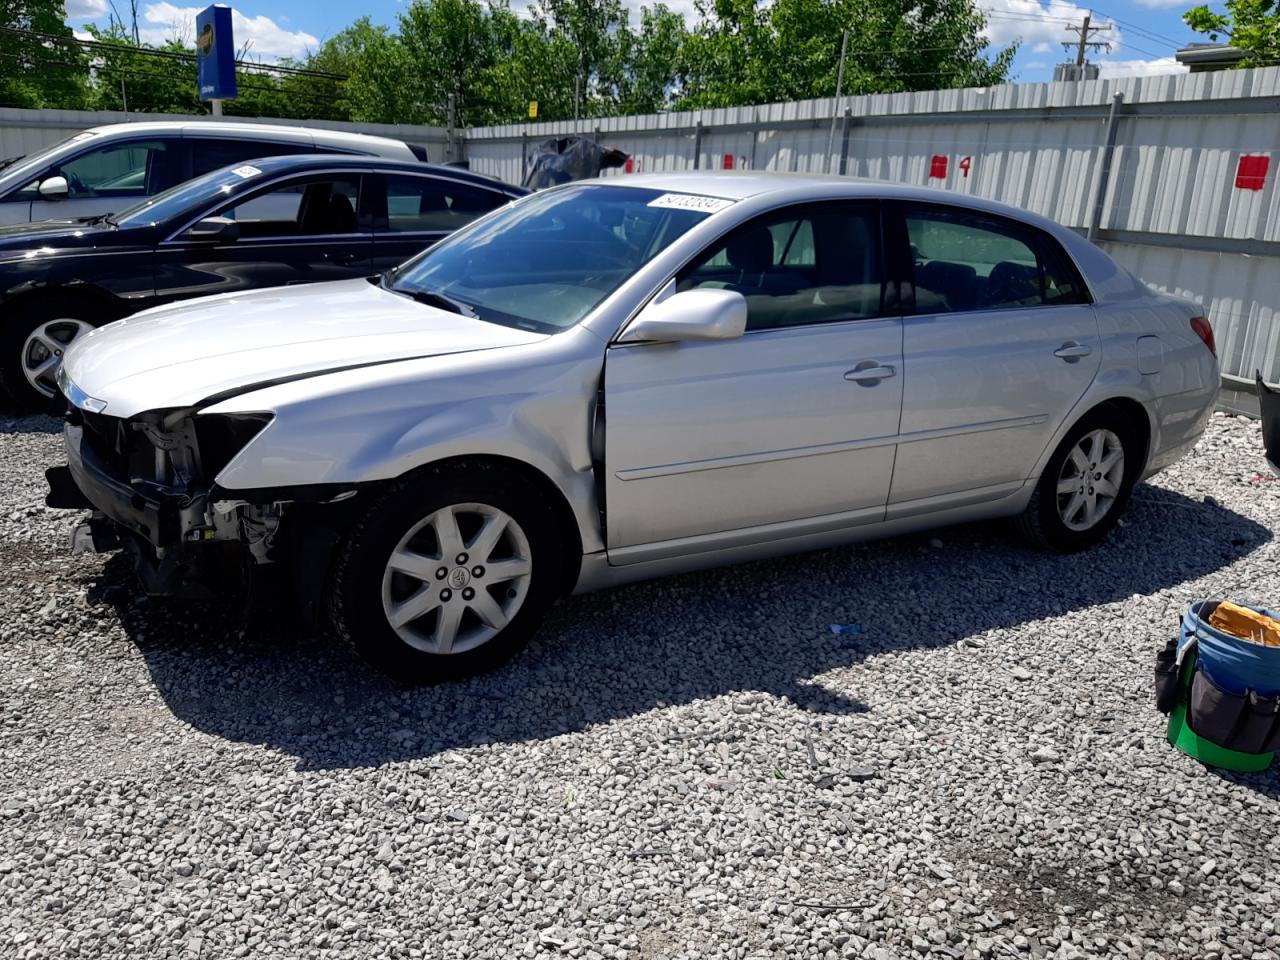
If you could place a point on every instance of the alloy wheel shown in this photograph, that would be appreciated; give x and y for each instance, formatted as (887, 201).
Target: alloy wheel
(457, 578)
(1090, 479)
(42, 353)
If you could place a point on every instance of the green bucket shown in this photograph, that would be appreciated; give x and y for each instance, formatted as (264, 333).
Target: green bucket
(1193, 745)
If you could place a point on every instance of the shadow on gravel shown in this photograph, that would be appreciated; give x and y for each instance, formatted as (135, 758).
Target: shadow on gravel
(13, 422)
(608, 656)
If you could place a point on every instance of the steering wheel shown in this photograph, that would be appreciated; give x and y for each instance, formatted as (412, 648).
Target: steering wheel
(75, 183)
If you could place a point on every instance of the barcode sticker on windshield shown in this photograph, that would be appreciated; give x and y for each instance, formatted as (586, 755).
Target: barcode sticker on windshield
(246, 171)
(690, 201)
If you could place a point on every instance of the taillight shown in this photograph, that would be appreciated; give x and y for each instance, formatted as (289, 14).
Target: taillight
(1205, 332)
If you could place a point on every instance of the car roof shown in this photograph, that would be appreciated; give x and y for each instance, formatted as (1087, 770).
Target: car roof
(213, 126)
(306, 161)
(797, 187)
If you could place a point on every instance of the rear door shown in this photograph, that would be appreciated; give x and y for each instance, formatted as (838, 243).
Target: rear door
(1000, 346)
(205, 154)
(302, 230)
(421, 209)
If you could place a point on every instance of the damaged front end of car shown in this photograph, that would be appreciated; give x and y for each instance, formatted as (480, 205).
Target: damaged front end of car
(150, 482)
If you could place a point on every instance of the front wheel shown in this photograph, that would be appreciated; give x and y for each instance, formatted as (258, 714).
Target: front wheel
(33, 341)
(1085, 486)
(447, 575)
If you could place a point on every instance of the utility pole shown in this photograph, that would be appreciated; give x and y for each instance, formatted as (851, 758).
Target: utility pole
(1086, 43)
(831, 134)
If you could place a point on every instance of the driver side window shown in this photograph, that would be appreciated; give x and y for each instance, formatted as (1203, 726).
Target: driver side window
(136, 169)
(805, 265)
(318, 206)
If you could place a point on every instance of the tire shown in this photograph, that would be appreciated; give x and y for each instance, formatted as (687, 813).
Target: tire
(32, 340)
(446, 628)
(1060, 521)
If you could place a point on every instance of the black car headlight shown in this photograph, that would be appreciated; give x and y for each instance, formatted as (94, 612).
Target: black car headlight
(221, 436)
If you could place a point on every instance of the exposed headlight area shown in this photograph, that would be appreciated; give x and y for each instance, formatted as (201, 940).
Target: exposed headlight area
(151, 480)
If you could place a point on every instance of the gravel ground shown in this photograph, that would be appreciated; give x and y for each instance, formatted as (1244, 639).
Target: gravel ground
(691, 768)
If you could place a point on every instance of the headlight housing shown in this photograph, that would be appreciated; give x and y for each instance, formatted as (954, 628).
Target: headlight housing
(220, 436)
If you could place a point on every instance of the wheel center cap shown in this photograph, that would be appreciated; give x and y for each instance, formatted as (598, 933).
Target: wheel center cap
(459, 577)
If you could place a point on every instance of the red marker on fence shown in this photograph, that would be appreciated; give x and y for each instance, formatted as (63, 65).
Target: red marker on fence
(938, 168)
(964, 164)
(727, 161)
(1251, 172)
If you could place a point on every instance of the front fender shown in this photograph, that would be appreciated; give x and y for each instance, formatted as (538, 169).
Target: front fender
(379, 423)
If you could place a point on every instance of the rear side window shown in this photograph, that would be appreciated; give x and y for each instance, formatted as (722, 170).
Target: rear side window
(208, 154)
(961, 260)
(798, 267)
(434, 204)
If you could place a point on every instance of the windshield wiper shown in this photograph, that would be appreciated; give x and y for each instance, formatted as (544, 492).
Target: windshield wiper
(98, 218)
(10, 161)
(434, 299)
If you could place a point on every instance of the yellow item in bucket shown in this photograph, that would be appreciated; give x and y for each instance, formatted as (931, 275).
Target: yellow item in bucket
(1246, 624)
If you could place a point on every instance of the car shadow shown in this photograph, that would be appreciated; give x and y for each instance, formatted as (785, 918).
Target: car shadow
(764, 626)
(11, 421)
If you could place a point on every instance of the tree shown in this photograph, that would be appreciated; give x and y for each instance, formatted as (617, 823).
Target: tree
(741, 53)
(40, 71)
(1250, 25)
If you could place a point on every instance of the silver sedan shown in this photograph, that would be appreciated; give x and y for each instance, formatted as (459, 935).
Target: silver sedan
(623, 379)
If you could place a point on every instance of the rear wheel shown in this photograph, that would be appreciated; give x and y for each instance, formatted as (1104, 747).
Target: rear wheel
(1085, 486)
(33, 342)
(447, 575)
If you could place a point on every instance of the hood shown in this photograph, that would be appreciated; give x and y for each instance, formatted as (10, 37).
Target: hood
(53, 233)
(183, 354)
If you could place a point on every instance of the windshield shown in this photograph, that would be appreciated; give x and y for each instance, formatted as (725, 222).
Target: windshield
(544, 263)
(20, 171)
(176, 200)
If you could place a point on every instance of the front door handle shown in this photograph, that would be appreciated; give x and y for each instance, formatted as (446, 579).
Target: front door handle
(344, 259)
(869, 371)
(1072, 351)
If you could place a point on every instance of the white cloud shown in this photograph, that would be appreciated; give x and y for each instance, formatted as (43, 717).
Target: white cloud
(1042, 47)
(265, 38)
(1162, 4)
(1139, 68)
(86, 9)
(1036, 24)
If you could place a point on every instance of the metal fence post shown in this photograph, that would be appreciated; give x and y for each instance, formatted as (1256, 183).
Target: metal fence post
(844, 140)
(1104, 175)
(524, 152)
(697, 144)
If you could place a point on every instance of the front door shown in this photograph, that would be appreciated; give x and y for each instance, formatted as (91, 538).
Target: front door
(789, 429)
(306, 230)
(110, 178)
(1000, 347)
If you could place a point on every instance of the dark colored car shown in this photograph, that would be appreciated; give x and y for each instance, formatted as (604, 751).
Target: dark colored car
(269, 222)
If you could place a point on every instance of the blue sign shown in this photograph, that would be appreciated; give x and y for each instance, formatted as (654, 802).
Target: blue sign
(215, 54)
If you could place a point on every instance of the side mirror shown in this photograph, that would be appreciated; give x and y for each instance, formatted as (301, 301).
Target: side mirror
(213, 230)
(54, 188)
(704, 314)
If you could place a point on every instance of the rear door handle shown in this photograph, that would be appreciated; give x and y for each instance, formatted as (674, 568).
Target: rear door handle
(1072, 351)
(870, 371)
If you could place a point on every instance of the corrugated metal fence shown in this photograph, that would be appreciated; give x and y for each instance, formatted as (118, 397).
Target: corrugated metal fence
(1174, 175)
(1188, 200)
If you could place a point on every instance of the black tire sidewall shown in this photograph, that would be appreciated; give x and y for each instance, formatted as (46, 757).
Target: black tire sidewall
(356, 597)
(1051, 526)
(23, 319)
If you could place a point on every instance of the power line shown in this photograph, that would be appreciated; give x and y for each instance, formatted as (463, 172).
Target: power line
(244, 65)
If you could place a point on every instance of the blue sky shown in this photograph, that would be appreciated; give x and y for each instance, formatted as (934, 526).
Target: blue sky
(1144, 33)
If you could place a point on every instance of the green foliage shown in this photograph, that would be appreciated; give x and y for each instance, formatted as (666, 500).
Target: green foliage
(475, 62)
(37, 73)
(1250, 25)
